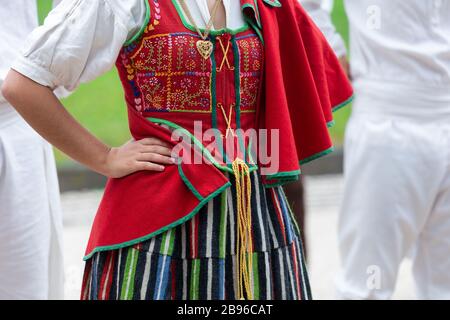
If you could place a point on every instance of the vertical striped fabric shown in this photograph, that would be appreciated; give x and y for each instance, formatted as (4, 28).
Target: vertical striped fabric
(197, 260)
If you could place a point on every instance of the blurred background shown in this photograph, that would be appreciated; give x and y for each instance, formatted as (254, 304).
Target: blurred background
(100, 107)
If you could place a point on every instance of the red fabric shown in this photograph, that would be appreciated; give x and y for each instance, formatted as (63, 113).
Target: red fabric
(302, 82)
(127, 210)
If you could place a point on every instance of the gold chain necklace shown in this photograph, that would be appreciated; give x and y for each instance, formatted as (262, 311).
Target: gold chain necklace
(204, 46)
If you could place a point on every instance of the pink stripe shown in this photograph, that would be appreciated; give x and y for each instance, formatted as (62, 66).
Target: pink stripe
(279, 214)
(106, 284)
(294, 254)
(86, 277)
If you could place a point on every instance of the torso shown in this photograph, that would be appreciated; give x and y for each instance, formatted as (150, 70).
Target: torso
(219, 21)
(401, 42)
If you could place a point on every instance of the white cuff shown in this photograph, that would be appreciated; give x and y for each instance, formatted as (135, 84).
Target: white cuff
(35, 72)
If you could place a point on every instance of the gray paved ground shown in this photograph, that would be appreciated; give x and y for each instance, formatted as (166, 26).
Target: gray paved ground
(323, 197)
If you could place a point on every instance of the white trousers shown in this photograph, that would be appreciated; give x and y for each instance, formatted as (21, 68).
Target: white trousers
(31, 261)
(396, 200)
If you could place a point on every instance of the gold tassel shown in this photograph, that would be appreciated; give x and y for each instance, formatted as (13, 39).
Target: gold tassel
(244, 241)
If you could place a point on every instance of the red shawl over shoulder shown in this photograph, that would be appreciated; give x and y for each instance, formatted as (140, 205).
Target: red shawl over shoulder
(304, 83)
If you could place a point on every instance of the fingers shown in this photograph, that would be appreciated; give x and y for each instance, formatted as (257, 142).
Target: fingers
(153, 155)
(154, 145)
(156, 149)
(153, 141)
(156, 158)
(148, 166)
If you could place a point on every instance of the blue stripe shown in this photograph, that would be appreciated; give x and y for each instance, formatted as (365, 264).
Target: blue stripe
(221, 279)
(246, 36)
(162, 276)
(184, 34)
(284, 210)
(94, 283)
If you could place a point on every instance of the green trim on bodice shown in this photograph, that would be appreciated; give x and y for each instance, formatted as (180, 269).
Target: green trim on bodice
(142, 30)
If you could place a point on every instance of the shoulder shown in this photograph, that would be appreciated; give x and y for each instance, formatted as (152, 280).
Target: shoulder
(127, 9)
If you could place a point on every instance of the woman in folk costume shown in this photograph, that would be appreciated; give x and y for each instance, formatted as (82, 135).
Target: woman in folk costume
(168, 227)
(31, 264)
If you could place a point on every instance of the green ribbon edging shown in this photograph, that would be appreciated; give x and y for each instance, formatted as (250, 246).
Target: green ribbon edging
(284, 177)
(343, 104)
(211, 32)
(256, 27)
(331, 124)
(282, 182)
(144, 25)
(163, 229)
(317, 155)
(273, 3)
(197, 143)
(193, 139)
(188, 183)
(286, 174)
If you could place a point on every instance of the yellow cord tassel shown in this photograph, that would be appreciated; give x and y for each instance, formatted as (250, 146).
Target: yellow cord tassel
(244, 240)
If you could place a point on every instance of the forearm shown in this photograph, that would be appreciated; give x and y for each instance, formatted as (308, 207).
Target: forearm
(44, 112)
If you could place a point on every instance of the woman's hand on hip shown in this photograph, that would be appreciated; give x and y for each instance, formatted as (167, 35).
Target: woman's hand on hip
(148, 154)
(39, 106)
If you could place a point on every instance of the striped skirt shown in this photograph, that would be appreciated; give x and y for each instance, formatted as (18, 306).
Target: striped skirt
(197, 260)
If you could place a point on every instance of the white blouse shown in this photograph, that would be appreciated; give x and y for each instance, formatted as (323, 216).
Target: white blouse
(80, 40)
(23, 15)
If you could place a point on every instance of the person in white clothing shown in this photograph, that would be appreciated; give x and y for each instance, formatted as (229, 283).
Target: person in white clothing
(31, 263)
(397, 145)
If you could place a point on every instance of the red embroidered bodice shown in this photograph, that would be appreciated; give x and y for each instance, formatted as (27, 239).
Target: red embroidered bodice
(290, 84)
(167, 80)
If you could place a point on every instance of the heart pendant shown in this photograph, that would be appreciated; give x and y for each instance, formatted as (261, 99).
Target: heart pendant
(205, 48)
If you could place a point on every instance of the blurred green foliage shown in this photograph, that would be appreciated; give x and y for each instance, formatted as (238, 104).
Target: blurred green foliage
(44, 6)
(341, 116)
(100, 107)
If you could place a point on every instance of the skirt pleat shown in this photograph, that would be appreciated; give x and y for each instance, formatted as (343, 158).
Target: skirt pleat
(197, 259)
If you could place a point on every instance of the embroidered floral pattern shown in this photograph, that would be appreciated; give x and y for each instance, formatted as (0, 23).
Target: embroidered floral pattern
(167, 74)
(129, 65)
(169, 71)
(251, 51)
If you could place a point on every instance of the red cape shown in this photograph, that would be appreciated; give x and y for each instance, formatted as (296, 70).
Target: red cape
(303, 83)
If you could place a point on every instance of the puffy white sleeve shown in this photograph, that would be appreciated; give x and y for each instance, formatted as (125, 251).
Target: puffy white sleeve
(320, 12)
(80, 40)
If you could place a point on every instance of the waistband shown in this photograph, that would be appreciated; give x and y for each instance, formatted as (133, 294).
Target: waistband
(406, 100)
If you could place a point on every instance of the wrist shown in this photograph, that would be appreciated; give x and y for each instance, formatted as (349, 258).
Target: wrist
(103, 164)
